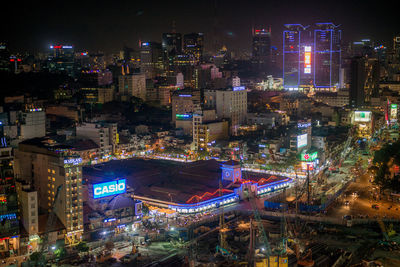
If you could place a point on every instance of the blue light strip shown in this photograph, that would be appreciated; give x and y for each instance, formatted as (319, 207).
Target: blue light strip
(298, 69)
(206, 205)
(330, 65)
(229, 198)
(283, 63)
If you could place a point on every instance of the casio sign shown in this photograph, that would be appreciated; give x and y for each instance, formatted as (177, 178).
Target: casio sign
(109, 188)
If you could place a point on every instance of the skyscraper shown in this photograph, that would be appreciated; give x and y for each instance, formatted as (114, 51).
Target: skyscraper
(311, 58)
(172, 43)
(261, 46)
(151, 59)
(61, 58)
(193, 44)
(357, 72)
(291, 56)
(327, 56)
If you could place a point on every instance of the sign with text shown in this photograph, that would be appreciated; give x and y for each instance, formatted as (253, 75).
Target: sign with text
(109, 188)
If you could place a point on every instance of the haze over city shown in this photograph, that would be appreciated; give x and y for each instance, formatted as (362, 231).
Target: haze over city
(200, 133)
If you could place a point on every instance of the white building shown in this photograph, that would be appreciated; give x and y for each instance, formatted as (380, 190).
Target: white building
(132, 85)
(180, 80)
(28, 207)
(33, 124)
(104, 135)
(235, 81)
(229, 104)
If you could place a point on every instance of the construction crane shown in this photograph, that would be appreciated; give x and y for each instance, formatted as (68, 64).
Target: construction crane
(50, 221)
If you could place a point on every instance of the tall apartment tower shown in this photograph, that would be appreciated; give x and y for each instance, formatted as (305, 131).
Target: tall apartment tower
(51, 166)
(193, 45)
(293, 47)
(132, 85)
(261, 45)
(151, 59)
(358, 77)
(327, 56)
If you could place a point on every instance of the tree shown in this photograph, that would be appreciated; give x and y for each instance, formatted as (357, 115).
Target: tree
(60, 253)
(381, 177)
(82, 247)
(37, 258)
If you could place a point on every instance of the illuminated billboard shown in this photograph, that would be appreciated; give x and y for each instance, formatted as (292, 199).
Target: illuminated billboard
(301, 140)
(362, 116)
(304, 165)
(307, 59)
(309, 156)
(109, 188)
(393, 111)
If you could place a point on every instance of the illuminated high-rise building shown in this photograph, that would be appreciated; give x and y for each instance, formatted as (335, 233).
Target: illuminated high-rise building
(55, 170)
(60, 58)
(193, 44)
(327, 56)
(171, 44)
(261, 46)
(151, 59)
(292, 51)
(311, 58)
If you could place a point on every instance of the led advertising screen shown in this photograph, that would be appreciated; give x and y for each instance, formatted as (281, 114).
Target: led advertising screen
(309, 156)
(393, 111)
(309, 164)
(109, 188)
(307, 59)
(362, 116)
(301, 140)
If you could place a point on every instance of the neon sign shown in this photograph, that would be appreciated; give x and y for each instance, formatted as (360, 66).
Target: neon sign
(73, 161)
(307, 59)
(239, 88)
(109, 188)
(303, 124)
(183, 116)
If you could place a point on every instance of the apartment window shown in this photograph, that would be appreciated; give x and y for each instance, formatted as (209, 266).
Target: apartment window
(53, 171)
(49, 177)
(48, 185)
(54, 179)
(33, 199)
(33, 206)
(33, 213)
(48, 170)
(33, 221)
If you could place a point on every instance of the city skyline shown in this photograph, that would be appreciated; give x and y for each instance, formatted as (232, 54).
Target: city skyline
(125, 24)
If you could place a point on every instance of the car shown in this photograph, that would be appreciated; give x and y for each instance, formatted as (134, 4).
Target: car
(347, 202)
(347, 217)
(375, 206)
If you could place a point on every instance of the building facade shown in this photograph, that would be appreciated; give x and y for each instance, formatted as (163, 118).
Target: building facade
(56, 173)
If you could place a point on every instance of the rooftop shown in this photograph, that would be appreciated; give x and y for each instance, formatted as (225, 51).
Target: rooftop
(168, 181)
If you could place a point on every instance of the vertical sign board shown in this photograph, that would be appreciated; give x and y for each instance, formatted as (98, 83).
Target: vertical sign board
(109, 188)
(307, 59)
(393, 112)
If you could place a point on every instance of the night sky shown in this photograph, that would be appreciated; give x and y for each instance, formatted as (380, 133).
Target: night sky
(109, 25)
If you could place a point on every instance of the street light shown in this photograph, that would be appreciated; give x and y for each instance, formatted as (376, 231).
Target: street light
(53, 247)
